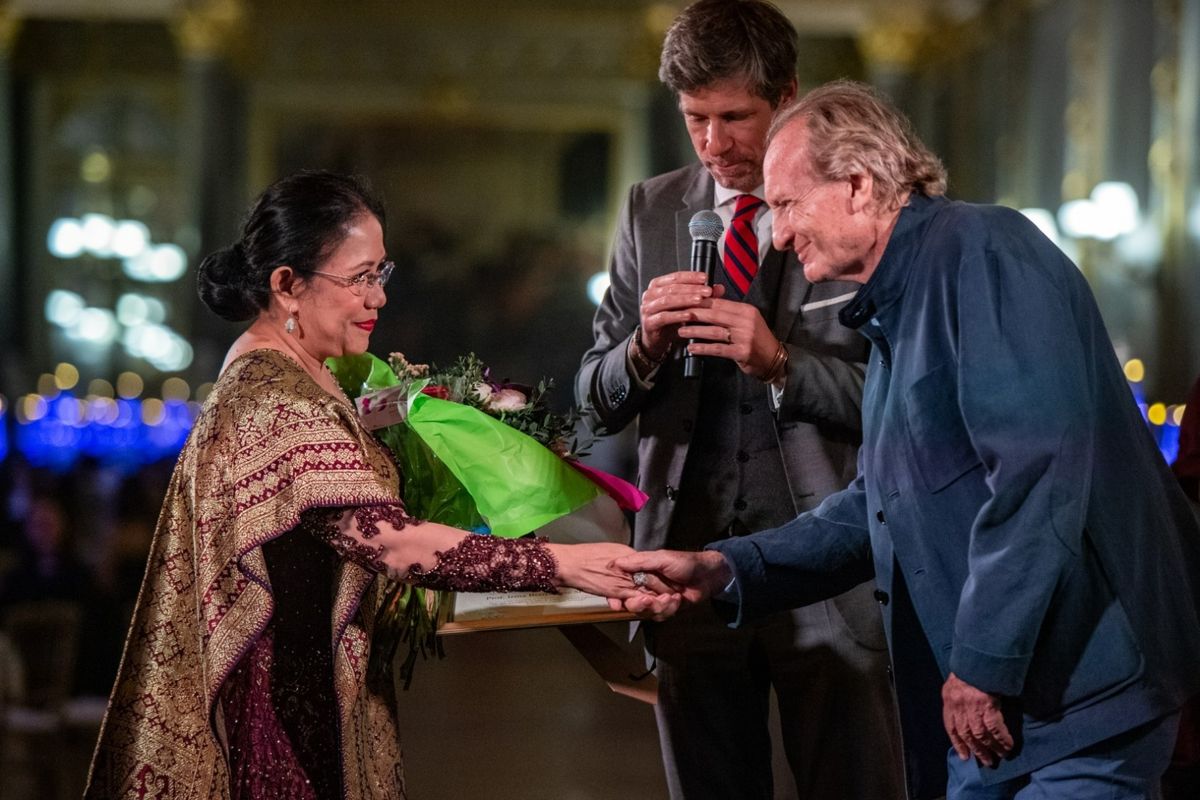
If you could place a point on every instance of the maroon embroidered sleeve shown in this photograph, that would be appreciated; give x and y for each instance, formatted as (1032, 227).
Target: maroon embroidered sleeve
(350, 531)
(475, 564)
(491, 564)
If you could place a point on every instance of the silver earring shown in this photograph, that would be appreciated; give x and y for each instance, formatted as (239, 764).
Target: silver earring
(290, 325)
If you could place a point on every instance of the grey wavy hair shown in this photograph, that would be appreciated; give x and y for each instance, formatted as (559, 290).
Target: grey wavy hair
(853, 129)
(715, 40)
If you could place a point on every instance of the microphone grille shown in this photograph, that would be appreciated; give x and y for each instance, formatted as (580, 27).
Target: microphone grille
(706, 225)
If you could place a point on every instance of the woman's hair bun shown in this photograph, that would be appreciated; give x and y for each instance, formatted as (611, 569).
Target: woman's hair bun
(224, 283)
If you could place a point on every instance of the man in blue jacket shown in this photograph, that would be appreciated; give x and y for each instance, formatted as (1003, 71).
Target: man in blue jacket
(1037, 564)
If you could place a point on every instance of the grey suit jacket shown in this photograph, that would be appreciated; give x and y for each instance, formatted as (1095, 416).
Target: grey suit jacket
(818, 421)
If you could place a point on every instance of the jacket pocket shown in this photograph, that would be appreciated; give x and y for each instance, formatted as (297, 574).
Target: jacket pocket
(941, 447)
(1087, 649)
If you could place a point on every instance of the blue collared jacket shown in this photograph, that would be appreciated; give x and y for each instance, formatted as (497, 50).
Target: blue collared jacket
(1022, 528)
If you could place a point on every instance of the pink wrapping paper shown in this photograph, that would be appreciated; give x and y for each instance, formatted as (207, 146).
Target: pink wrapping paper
(628, 496)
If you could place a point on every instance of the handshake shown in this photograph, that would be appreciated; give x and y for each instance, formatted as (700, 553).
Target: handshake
(656, 584)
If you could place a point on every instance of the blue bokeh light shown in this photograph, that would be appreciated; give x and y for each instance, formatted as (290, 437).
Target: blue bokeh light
(113, 432)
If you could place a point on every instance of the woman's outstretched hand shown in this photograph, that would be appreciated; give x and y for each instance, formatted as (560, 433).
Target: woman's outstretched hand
(589, 568)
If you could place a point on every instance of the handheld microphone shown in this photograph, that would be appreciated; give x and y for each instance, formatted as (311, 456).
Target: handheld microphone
(705, 228)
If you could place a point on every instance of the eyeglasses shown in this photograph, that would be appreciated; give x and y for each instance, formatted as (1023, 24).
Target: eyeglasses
(361, 284)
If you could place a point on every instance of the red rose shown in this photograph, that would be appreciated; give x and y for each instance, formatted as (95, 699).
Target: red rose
(440, 392)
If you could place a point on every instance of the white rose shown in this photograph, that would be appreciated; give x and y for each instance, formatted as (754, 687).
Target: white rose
(507, 400)
(483, 391)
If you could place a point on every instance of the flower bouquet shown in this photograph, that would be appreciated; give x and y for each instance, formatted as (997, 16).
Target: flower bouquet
(478, 454)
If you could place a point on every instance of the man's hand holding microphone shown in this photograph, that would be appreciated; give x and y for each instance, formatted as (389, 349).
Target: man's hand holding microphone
(687, 306)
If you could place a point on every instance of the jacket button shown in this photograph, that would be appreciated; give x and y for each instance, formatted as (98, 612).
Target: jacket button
(879, 516)
(743, 456)
(687, 426)
(739, 504)
(671, 492)
(746, 408)
(881, 596)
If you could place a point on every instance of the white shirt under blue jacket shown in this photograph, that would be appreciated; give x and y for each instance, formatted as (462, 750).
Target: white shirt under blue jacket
(1022, 527)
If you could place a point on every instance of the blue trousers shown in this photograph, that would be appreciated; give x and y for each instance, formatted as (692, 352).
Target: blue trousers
(1126, 767)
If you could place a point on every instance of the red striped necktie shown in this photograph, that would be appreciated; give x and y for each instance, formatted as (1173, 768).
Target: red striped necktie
(741, 246)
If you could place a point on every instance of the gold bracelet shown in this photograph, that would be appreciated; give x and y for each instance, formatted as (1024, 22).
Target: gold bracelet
(778, 365)
(642, 361)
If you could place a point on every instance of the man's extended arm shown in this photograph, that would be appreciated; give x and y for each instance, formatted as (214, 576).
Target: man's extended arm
(818, 555)
(821, 553)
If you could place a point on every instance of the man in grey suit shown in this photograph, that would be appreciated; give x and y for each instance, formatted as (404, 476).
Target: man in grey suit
(770, 428)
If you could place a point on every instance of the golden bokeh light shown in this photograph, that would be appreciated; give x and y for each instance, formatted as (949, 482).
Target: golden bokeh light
(66, 376)
(96, 167)
(98, 387)
(31, 408)
(153, 411)
(130, 385)
(1157, 414)
(175, 389)
(47, 386)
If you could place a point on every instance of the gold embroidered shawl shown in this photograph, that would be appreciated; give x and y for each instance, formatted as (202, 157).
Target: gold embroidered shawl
(268, 445)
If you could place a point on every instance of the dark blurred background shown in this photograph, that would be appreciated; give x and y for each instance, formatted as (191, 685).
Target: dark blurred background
(503, 135)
